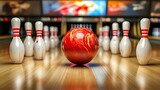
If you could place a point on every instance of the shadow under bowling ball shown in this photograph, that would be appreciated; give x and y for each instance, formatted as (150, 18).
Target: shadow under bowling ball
(79, 66)
(88, 65)
(71, 65)
(79, 77)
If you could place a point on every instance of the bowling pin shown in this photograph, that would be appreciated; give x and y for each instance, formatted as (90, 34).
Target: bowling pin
(125, 44)
(28, 42)
(16, 48)
(84, 26)
(71, 26)
(80, 25)
(56, 36)
(144, 48)
(74, 26)
(46, 38)
(87, 26)
(106, 39)
(39, 45)
(114, 44)
(90, 26)
(100, 38)
(52, 41)
(77, 26)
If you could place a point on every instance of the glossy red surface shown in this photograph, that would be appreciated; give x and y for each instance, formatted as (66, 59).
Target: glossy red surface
(79, 45)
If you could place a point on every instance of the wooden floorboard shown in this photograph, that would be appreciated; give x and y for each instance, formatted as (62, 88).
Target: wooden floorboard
(105, 72)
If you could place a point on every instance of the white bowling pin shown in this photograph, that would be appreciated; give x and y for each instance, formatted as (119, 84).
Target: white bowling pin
(106, 39)
(100, 38)
(46, 38)
(39, 45)
(71, 26)
(56, 36)
(144, 48)
(80, 25)
(125, 44)
(52, 40)
(84, 26)
(16, 48)
(74, 26)
(87, 26)
(77, 26)
(114, 44)
(28, 42)
(90, 26)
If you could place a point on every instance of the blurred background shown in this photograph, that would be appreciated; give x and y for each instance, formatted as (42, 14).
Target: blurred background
(65, 14)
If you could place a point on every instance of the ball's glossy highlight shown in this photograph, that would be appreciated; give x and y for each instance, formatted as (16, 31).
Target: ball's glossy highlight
(79, 45)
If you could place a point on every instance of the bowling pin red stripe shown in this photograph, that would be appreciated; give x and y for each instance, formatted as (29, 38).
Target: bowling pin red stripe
(39, 33)
(125, 32)
(115, 32)
(45, 33)
(15, 29)
(56, 33)
(52, 33)
(16, 32)
(28, 32)
(105, 33)
(144, 33)
(101, 33)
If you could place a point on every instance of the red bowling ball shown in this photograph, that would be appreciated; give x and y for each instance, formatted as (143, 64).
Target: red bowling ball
(79, 45)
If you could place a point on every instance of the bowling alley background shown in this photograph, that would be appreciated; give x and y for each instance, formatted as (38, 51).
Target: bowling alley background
(66, 14)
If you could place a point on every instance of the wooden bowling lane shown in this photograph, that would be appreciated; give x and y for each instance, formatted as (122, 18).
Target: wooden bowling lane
(106, 71)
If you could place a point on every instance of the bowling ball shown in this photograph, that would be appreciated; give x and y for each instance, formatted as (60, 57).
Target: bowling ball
(79, 45)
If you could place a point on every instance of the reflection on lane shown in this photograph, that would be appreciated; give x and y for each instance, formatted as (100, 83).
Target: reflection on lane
(105, 71)
(18, 77)
(28, 66)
